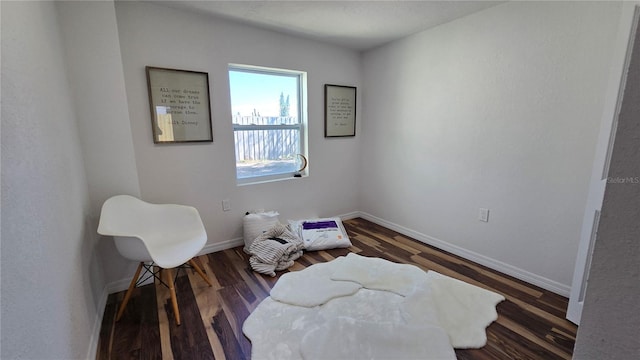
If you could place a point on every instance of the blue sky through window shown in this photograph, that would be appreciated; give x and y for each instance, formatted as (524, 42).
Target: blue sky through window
(261, 92)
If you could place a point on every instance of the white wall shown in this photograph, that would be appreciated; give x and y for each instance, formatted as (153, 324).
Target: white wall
(94, 63)
(48, 308)
(611, 315)
(203, 175)
(92, 49)
(597, 184)
(496, 110)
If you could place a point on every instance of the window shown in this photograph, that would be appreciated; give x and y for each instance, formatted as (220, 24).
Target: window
(268, 113)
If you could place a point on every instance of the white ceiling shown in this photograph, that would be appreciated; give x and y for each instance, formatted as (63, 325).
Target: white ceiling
(359, 25)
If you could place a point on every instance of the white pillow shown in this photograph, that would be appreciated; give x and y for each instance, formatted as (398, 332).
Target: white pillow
(255, 224)
(321, 234)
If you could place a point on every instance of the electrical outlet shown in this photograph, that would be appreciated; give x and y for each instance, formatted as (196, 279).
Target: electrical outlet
(226, 205)
(483, 215)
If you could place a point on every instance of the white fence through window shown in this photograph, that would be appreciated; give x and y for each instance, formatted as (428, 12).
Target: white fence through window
(266, 145)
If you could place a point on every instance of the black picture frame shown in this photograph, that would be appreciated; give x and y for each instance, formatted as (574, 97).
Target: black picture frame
(339, 110)
(180, 105)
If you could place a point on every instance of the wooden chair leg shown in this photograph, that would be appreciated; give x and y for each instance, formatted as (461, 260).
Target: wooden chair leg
(199, 271)
(172, 291)
(129, 291)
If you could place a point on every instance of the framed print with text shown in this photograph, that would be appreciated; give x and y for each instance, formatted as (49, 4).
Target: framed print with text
(339, 110)
(180, 107)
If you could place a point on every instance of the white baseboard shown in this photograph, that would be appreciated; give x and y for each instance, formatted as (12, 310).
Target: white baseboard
(219, 246)
(351, 215)
(97, 325)
(531, 278)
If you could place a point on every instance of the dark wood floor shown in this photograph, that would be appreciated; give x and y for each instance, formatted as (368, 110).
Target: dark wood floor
(530, 325)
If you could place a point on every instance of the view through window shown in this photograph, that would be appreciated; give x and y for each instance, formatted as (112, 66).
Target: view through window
(267, 122)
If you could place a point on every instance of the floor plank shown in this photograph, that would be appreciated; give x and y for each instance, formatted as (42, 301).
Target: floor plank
(530, 325)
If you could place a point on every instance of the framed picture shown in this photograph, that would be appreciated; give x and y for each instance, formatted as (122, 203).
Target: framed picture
(180, 108)
(339, 110)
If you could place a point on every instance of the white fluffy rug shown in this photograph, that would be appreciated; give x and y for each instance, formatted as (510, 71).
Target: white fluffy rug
(356, 307)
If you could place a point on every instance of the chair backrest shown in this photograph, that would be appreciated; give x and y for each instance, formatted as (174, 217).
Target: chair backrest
(168, 234)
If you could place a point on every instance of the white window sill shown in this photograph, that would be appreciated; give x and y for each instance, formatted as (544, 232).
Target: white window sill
(257, 181)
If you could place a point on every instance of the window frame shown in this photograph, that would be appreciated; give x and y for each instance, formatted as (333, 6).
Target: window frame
(301, 126)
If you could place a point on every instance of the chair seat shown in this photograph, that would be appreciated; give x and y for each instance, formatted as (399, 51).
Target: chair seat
(167, 234)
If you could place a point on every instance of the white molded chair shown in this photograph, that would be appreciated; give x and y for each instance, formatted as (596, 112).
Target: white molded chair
(165, 234)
